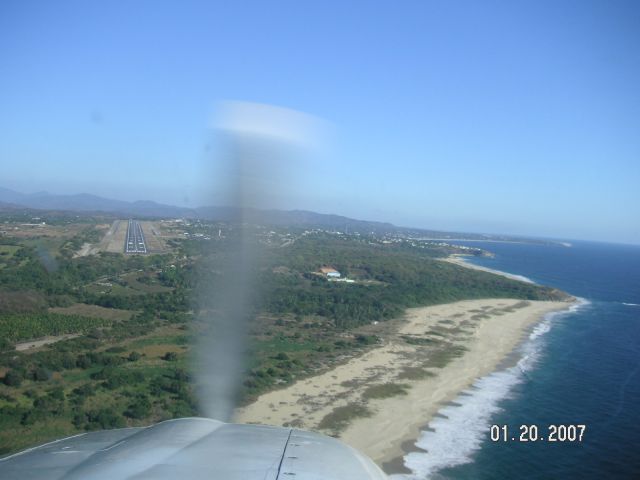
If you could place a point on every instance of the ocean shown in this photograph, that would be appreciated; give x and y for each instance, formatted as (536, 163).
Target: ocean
(578, 367)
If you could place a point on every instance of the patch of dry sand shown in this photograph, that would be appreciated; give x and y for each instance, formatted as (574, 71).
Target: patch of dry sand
(457, 343)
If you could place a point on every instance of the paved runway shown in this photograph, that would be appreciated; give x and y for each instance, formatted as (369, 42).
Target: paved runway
(134, 242)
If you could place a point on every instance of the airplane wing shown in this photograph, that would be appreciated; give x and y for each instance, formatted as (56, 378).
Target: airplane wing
(193, 448)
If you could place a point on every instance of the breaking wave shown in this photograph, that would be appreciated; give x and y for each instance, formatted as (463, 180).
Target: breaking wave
(459, 429)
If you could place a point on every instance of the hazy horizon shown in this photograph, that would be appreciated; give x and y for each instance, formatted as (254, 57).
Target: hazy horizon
(426, 227)
(488, 117)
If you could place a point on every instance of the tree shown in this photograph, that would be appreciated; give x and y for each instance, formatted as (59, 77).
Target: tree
(170, 356)
(134, 356)
(41, 374)
(140, 408)
(12, 378)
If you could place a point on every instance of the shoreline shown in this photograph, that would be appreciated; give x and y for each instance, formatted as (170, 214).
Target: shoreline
(436, 353)
(459, 259)
(495, 339)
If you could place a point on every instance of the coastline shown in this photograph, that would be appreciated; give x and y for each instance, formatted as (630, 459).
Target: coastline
(432, 356)
(494, 339)
(459, 259)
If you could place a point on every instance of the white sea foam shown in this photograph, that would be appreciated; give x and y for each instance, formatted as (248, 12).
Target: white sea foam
(512, 276)
(541, 328)
(581, 302)
(459, 430)
(454, 439)
(522, 278)
(631, 304)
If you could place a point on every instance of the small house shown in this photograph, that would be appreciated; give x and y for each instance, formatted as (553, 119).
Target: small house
(330, 272)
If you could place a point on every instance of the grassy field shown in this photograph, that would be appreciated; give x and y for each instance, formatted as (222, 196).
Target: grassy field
(94, 311)
(26, 326)
(7, 251)
(148, 285)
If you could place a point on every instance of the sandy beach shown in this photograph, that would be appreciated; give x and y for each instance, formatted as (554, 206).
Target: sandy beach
(379, 400)
(460, 260)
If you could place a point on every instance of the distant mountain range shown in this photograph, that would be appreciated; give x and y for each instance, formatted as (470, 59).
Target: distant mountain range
(11, 200)
(84, 202)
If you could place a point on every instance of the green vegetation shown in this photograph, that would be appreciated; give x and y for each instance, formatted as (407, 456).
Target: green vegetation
(439, 358)
(137, 316)
(414, 340)
(340, 417)
(24, 326)
(7, 252)
(385, 390)
(402, 278)
(93, 311)
(87, 235)
(414, 373)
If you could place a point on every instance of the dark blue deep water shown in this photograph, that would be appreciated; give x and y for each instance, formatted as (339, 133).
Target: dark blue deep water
(579, 367)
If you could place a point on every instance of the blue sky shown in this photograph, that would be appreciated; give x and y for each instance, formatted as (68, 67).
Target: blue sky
(497, 116)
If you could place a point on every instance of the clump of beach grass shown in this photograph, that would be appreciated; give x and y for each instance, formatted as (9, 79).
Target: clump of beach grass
(415, 373)
(341, 417)
(415, 340)
(385, 390)
(440, 358)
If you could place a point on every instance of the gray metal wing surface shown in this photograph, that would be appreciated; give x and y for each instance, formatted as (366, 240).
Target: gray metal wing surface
(193, 448)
